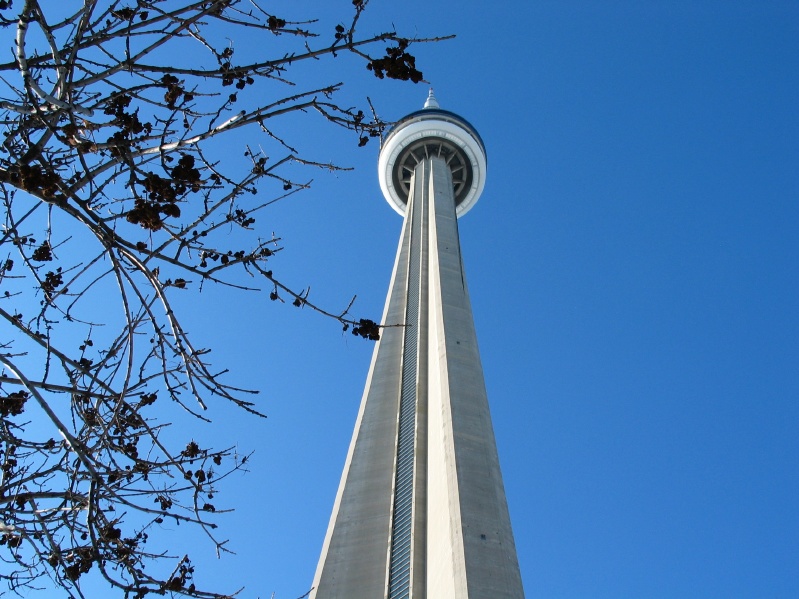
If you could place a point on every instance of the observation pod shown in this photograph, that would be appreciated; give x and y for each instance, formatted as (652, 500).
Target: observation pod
(426, 133)
(420, 511)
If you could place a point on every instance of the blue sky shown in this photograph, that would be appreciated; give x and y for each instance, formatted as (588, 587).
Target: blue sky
(633, 265)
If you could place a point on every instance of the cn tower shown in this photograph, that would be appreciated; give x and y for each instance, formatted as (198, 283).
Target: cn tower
(420, 512)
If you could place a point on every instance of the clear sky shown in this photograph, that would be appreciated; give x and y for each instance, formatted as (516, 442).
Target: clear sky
(633, 265)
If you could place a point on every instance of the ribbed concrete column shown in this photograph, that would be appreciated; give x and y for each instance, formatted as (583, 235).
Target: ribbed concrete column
(420, 511)
(354, 560)
(470, 547)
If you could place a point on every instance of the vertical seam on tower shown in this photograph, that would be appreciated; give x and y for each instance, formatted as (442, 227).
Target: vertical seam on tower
(399, 577)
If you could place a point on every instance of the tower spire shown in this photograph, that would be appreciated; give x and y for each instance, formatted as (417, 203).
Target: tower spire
(420, 512)
(431, 101)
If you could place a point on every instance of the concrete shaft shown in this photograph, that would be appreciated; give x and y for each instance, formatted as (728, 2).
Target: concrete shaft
(421, 510)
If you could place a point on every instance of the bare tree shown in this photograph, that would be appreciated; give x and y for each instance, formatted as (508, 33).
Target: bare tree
(113, 201)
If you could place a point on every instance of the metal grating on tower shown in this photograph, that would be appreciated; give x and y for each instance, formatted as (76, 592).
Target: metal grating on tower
(399, 574)
(420, 512)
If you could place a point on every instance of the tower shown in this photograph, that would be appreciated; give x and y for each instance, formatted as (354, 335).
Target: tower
(420, 512)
